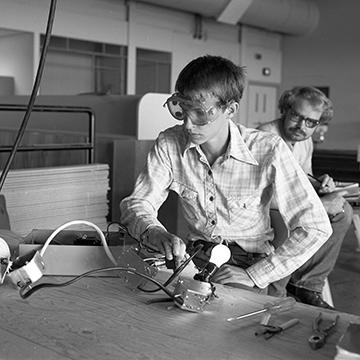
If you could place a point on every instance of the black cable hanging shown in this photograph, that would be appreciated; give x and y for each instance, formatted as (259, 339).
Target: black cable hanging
(35, 89)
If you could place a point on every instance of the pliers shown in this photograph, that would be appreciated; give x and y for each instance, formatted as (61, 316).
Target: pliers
(270, 330)
(318, 337)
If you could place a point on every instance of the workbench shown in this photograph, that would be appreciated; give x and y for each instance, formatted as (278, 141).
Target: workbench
(102, 318)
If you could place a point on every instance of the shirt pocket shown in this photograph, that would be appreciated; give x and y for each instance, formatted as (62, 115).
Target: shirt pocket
(189, 200)
(246, 211)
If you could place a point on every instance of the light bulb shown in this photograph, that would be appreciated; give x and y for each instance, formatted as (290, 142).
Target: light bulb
(220, 254)
(4, 259)
(4, 249)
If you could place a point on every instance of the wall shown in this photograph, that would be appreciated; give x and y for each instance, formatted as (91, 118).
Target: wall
(110, 21)
(6, 85)
(16, 60)
(330, 56)
(260, 51)
(139, 25)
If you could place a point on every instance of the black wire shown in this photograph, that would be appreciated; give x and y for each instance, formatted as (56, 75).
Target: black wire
(122, 229)
(177, 271)
(121, 226)
(35, 89)
(31, 290)
(183, 265)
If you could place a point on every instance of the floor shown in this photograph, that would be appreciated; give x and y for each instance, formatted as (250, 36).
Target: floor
(345, 278)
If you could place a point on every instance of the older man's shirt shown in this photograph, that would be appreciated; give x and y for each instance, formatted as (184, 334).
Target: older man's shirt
(230, 200)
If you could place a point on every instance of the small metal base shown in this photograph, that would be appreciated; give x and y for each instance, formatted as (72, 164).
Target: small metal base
(192, 295)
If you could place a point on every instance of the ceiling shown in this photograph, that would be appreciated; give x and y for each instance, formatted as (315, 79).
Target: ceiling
(294, 17)
(208, 8)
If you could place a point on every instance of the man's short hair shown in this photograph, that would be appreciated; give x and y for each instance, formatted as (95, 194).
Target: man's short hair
(315, 96)
(213, 75)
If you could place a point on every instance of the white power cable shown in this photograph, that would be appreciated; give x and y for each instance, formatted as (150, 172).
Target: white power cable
(83, 222)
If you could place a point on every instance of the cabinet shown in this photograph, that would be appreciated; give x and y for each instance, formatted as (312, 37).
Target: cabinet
(129, 157)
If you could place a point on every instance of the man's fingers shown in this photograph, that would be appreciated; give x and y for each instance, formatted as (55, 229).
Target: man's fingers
(179, 247)
(168, 244)
(327, 183)
(168, 250)
(161, 247)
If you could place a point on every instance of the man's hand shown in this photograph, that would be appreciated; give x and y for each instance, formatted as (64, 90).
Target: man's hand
(327, 184)
(232, 275)
(333, 203)
(166, 243)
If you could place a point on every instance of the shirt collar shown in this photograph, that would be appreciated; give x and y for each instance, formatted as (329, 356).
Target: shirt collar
(186, 144)
(237, 147)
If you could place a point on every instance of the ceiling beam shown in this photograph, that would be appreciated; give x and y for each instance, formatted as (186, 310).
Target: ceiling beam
(233, 11)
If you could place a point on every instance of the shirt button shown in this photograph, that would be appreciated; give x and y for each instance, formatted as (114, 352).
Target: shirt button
(210, 172)
(211, 198)
(213, 222)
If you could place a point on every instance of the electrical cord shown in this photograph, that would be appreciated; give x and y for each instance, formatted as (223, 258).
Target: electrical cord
(160, 286)
(77, 222)
(177, 271)
(31, 289)
(28, 290)
(183, 265)
(34, 91)
(121, 227)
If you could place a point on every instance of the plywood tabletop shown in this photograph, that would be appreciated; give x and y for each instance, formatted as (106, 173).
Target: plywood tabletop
(101, 318)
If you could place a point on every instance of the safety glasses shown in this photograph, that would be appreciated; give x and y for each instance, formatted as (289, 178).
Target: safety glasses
(182, 108)
(295, 117)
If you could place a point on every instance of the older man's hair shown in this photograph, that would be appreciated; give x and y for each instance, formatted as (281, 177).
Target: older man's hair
(313, 95)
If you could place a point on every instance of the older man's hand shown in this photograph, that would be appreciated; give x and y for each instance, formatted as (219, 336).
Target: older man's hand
(327, 184)
(333, 203)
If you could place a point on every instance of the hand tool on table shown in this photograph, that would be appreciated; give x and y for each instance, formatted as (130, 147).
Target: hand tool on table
(270, 330)
(284, 304)
(319, 335)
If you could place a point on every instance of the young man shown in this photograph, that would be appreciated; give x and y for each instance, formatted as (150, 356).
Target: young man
(226, 177)
(303, 110)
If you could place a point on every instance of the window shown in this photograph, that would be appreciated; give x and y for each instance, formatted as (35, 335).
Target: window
(153, 71)
(78, 66)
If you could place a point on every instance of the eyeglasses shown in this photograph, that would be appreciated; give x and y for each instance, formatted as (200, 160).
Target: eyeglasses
(296, 117)
(181, 108)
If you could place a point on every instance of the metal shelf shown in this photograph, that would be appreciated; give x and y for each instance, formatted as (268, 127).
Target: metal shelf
(89, 146)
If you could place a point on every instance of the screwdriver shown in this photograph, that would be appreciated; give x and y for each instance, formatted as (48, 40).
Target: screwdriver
(284, 304)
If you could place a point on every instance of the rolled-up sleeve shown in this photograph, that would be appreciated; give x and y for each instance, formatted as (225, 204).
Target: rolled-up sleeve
(139, 210)
(303, 213)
